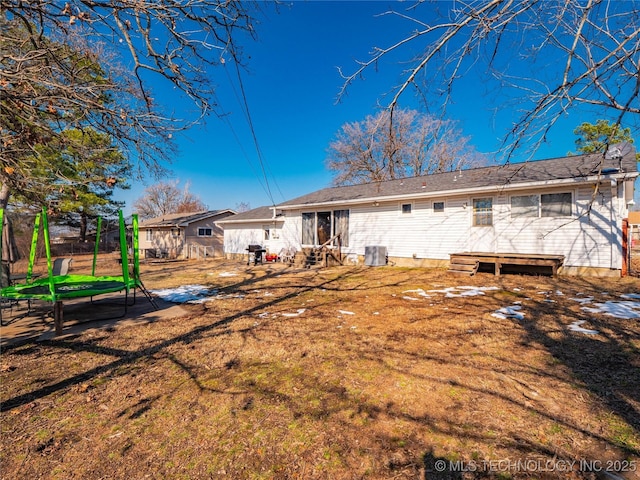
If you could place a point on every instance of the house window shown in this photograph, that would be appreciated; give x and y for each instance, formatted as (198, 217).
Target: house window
(482, 211)
(545, 205)
(323, 228)
(205, 232)
(320, 227)
(175, 232)
(341, 226)
(438, 207)
(308, 228)
(149, 234)
(270, 232)
(406, 208)
(524, 206)
(555, 205)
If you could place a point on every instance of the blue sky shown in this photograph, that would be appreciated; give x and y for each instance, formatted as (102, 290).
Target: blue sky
(291, 86)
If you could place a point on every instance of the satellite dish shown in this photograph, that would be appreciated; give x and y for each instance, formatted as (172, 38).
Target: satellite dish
(617, 151)
(613, 153)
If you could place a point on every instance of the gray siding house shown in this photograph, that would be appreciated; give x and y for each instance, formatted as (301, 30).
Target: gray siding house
(183, 235)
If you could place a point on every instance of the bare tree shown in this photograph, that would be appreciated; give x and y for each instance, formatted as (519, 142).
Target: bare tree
(549, 57)
(78, 63)
(378, 149)
(243, 207)
(165, 198)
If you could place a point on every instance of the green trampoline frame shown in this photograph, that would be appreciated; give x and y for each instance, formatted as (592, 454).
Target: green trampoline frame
(55, 288)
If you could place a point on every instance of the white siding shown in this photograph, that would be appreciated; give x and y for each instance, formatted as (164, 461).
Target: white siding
(423, 233)
(237, 237)
(586, 238)
(589, 238)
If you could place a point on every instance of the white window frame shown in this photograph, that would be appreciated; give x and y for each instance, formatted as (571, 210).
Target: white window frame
(149, 235)
(482, 212)
(204, 234)
(547, 213)
(438, 211)
(312, 226)
(542, 209)
(402, 208)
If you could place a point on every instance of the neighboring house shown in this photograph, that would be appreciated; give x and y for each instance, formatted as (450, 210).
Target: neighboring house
(183, 235)
(572, 206)
(260, 226)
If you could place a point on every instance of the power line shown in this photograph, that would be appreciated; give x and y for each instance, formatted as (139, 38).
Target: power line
(245, 107)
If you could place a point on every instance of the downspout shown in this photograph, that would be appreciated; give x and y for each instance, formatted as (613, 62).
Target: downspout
(615, 244)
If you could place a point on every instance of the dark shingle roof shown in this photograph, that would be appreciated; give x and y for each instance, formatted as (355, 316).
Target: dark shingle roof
(264, 214)
(180, 219)
(510, 175)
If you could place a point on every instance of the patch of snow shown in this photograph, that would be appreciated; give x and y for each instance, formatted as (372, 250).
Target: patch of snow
(625, 309)
(345, 312)
(299, 312)
(583, 300)
(222, 297)
(227, 274)
(418, 291)
(467, 293)
(463, 291)
(509, 312)
(186, 294)
(630, 296)
(410, 298)
(575, 327)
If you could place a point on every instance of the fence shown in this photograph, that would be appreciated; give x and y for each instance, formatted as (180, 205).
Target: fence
(199, 251)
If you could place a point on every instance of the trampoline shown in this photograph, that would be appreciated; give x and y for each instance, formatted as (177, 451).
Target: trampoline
(56, 288)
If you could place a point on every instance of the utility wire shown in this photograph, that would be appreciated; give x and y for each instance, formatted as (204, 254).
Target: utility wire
(247, 113)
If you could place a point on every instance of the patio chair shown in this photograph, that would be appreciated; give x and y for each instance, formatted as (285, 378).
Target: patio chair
(287, 255)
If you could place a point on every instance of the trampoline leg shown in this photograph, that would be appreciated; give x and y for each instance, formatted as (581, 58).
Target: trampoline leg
(57, 317)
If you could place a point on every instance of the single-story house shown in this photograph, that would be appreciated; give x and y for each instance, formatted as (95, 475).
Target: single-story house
(570, 208)
(183, 235)
(260, 226)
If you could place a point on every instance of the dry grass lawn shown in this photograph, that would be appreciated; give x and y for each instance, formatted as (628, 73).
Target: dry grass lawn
(340, 373)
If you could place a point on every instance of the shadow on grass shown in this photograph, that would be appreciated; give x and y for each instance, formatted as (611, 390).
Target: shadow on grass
(124, 357)
(592, 361)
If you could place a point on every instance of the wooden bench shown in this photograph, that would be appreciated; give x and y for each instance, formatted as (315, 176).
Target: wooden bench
(469, 262)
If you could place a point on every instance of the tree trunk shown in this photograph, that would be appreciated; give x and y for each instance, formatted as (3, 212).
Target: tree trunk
(83, 227)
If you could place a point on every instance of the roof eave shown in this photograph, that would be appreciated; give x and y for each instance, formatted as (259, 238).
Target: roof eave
(254, 220)
(466, 191)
